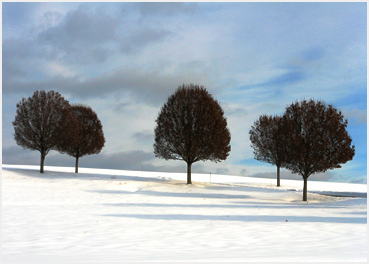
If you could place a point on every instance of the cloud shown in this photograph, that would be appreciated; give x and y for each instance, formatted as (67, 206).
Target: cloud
(65, 56)
(126, 160)
(78, 38)
(18, 155)
(11, 70)
(234, 110)
(16, 16)
(61, 70)
(142, 38)
(80, 27)
(81, 37)
(121, 107)
(17, 13)
(357, 116)
(360, 181)
(148, 9)
(145, 136)
(150, 86)
(17, 56)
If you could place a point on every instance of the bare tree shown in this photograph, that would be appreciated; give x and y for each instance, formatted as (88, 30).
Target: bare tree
(89, 138)
(39, 125)
(268, 137)
(191, 127)
(318, 139)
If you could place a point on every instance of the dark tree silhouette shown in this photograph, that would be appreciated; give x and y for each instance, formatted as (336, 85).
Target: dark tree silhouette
(191, 127)
(89, 138)
(39, 125)
(268, 137)
(318, 139)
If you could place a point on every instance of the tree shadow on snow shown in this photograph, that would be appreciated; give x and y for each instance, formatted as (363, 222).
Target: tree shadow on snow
(176, 194)
(245, 205)
(245, 218)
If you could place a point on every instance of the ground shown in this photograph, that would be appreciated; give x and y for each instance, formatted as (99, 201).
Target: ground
(107, 216)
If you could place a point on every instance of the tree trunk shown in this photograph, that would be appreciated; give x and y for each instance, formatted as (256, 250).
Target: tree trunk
(304, 196)
(189, 173)
(42, 162)
(278, 176)
(76, 170)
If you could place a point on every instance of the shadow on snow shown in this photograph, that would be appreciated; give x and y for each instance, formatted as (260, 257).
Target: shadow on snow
(175, 194)
(245, 218)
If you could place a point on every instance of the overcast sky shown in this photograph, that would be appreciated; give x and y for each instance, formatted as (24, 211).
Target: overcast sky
(125, 59)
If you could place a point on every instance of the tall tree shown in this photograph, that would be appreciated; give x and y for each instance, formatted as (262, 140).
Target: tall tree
(89, 138)
(191, 127)
(39, 125)
(267, 137)
(318, 139)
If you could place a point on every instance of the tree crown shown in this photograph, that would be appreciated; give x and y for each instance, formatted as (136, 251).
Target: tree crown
(191, 126)
(89, 138)
(317, 138)
(38, 121)
(267, 137)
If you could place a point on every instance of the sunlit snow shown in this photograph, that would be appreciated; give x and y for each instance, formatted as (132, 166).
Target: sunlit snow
(112, 215)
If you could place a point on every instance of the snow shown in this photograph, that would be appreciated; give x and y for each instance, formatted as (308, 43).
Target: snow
(111, 215)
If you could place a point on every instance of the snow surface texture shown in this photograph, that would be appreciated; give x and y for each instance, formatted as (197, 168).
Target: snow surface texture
(125, 216)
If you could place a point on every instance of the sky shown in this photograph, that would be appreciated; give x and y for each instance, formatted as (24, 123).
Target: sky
(125, 59)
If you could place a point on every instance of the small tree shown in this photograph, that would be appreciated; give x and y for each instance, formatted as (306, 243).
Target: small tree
(267, 137)
(89, 138)
(317, 139)
(39, 125)
(191, 127)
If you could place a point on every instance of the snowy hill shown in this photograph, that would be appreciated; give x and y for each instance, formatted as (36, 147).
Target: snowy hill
(112, 215)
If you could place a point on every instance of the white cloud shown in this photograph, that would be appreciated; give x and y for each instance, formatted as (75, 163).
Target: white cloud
(357, 116)
(56, 69)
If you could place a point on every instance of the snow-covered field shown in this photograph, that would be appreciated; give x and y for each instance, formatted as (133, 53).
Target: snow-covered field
(126, 216)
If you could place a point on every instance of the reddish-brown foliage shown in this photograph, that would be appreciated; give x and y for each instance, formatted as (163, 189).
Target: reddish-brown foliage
(268, 137)
(38, 124)
(317, 139)
(89, 138)
(191, 127)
